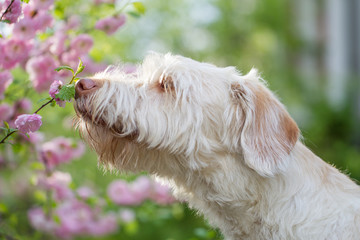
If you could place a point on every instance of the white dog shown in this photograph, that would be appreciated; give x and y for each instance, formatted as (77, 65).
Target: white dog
(225, 144)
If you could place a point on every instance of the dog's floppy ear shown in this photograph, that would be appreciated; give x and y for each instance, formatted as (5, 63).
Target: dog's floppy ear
(268, 133)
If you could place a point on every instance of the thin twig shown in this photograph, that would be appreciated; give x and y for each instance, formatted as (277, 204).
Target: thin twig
(8, 135)
(7, 9)
(42, 106)
(50, 101)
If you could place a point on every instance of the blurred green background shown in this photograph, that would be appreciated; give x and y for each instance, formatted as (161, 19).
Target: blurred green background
(308, 51)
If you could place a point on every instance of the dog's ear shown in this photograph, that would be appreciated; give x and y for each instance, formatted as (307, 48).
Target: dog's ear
(267, 133)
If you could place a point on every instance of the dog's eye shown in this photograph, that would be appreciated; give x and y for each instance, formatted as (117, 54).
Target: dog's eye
(166, 84)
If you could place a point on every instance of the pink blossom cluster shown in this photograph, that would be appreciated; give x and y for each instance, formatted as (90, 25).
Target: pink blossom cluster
(10, 113)
(136, 192)
(11, 11)
(60, 150)
(54, 89)
(111, 24)
(76, 217)
(27, 123)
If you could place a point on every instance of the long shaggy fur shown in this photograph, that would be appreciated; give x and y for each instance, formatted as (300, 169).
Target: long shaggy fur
(224, 143)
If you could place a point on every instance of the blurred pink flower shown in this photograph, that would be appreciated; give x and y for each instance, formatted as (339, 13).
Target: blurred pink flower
(5, 80)
(82, 44)
(70, 58)
(24, 105)
(54, 89)
(123, 193)
(75, 217)
(24, 29)
(60, 150)
(42, 71)
(6, 112)
(57, 43)
(42, 20)
(39, 220)
(14, 12)
(110, 25)
(91, 66)
(104, 225)
(120, 192)
(161, 194)
(73, 22)
(85, 192)
(14, 51)
(127, 215)
(59, 183)
(41, 4)
(28, 122)
(36, 137)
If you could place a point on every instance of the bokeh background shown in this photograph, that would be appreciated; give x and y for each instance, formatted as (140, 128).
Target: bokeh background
(308, 51)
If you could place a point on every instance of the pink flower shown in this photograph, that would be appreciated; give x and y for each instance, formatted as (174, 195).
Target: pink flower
(14, 51)
(70, 58)
(42, 4)
(5, 80)
(24, 29)
(36, 137)
(75, 217)
(59, 183)
(39, 221)
(120, 193)
(42, 71)
(28, 122)
(123, 193)
(6, 112)
(57, 43)
(54, 89)
(110, 25)
(42, 20)
(14, 11)
(73, 22)
(104, 225)
(24, 104)
(161, 194)
(82, 44)
(85, 192)
(60, 150)
(127, 215)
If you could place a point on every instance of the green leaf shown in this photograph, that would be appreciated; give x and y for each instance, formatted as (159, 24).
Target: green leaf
(76, 79)
(64, 68)
(80, 67)
(67, 92)
(25, 1)
(134, 14)
(1, 36)
(6, 125)
(5, 21)
(140, 8)
(37, 166)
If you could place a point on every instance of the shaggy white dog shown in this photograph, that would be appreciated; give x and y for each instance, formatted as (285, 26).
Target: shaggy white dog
(224, 143)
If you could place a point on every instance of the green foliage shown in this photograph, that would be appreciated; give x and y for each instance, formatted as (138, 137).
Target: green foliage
(67, 92)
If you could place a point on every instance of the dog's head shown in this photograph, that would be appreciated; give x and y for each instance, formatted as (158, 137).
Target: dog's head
(174, 111)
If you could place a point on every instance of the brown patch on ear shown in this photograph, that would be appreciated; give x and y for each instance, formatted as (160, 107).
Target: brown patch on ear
(291, 132)
(269, 133)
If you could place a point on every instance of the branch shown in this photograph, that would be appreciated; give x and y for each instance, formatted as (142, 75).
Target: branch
(7, 9)
(42, 106)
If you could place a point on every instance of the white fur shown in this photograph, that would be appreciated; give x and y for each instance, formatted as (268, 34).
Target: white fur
(224, 143)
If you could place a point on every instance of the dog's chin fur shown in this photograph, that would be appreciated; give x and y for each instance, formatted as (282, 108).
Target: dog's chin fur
(225, 144)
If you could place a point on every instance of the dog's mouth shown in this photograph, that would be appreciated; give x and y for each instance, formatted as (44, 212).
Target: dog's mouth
(85, 113)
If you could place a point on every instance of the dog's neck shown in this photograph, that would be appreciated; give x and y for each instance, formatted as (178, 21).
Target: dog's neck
(239, 201)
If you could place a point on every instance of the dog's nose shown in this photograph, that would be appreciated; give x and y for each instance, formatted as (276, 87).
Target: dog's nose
(85, 86)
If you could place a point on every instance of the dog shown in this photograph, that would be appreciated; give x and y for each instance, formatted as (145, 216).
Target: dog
(223, 142)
